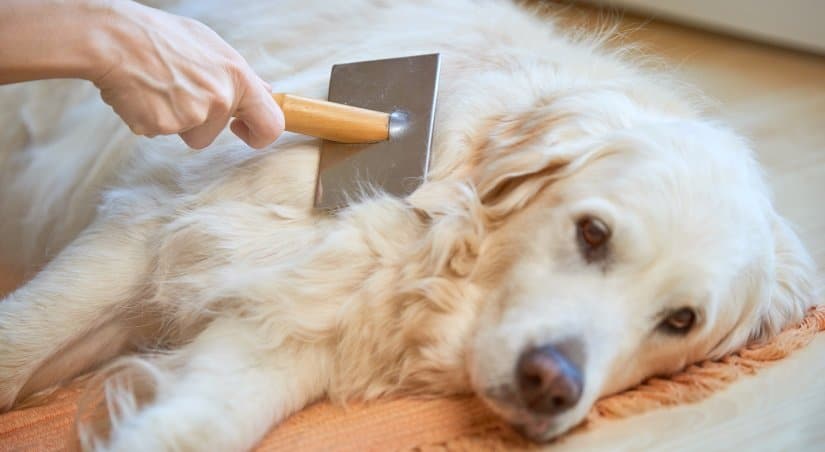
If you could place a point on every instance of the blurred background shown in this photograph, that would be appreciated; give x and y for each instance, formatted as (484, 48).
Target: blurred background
(798, 24)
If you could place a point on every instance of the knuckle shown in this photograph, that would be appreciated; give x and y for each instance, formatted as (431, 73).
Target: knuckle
(195, 118)
(167, 129)
(138, 129)
(222, 104)
(234, 66)
(236, 61)
(193, 24)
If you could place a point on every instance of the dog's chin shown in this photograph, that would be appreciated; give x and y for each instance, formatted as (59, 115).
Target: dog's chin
(534, 427)
(537, 429)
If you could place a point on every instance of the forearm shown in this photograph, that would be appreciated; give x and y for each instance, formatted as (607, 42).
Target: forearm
(42, 39)
(160, 73)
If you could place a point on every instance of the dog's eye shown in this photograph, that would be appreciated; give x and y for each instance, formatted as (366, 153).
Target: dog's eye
(679, 322)
(593, 235)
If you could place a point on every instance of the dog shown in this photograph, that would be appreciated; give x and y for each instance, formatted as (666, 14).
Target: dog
(584, 226)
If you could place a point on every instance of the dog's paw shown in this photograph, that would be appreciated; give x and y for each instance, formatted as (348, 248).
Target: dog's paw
(8, 394)
(10, 379)
(10, 384)
(12, 369)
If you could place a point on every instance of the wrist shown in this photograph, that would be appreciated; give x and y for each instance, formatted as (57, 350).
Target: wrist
(100, 40)
(53, 38)
(119, 31)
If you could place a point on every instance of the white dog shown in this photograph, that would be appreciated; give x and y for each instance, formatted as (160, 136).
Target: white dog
(583, 228)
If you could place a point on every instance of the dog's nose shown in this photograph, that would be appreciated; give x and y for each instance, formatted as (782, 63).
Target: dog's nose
(548, 381)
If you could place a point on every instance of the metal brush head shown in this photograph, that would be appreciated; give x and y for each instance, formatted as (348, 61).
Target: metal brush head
(404, 87)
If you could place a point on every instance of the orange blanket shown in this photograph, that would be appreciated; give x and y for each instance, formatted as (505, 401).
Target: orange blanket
(447, 424)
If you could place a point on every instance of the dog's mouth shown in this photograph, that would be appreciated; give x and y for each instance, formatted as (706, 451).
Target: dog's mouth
(506, 404)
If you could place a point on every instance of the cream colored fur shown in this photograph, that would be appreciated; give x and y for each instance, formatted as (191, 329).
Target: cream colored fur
(247, 305)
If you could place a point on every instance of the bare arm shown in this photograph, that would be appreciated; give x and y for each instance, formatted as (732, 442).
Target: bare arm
(49, 39)
(161, 73)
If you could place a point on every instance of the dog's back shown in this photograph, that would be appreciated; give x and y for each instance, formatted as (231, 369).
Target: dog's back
(61, 147)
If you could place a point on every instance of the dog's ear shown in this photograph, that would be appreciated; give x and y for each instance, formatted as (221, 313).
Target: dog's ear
(512, 158)
(520, 154)
(793, 288)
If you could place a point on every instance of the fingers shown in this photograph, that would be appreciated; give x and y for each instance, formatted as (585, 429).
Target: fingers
(260, 120)
(203, 135)
(241, 130)
(258, 123)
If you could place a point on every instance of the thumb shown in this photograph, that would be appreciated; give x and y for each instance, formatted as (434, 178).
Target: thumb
(259, 120)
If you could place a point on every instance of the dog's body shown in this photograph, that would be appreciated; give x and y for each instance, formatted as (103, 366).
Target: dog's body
(545, 149)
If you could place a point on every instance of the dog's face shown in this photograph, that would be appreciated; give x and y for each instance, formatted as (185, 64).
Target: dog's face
(637, 253)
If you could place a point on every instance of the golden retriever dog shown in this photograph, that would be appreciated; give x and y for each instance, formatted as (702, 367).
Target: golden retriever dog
(584, 227)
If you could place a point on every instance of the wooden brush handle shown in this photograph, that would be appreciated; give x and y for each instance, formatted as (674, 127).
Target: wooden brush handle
(332, 121)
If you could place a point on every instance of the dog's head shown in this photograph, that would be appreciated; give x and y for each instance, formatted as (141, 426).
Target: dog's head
(612, 246)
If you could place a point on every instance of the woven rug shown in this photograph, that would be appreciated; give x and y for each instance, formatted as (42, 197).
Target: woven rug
(459, 424)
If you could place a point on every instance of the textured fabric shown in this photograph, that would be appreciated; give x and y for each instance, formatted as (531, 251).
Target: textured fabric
(46, 423)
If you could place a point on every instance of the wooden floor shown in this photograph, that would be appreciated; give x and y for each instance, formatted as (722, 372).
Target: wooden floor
(777, 98)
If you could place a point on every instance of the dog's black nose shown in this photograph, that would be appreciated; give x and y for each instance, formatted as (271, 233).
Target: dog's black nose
(548, 381)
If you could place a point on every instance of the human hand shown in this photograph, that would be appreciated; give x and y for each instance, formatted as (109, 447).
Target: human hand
(167, 74)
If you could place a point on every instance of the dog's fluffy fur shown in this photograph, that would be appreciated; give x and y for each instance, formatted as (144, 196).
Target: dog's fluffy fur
(247, 304)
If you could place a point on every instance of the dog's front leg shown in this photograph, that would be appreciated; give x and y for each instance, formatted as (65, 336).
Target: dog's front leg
(223, 391)
(75, 294)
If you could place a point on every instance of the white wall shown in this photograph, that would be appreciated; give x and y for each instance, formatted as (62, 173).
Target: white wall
(793, 23)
